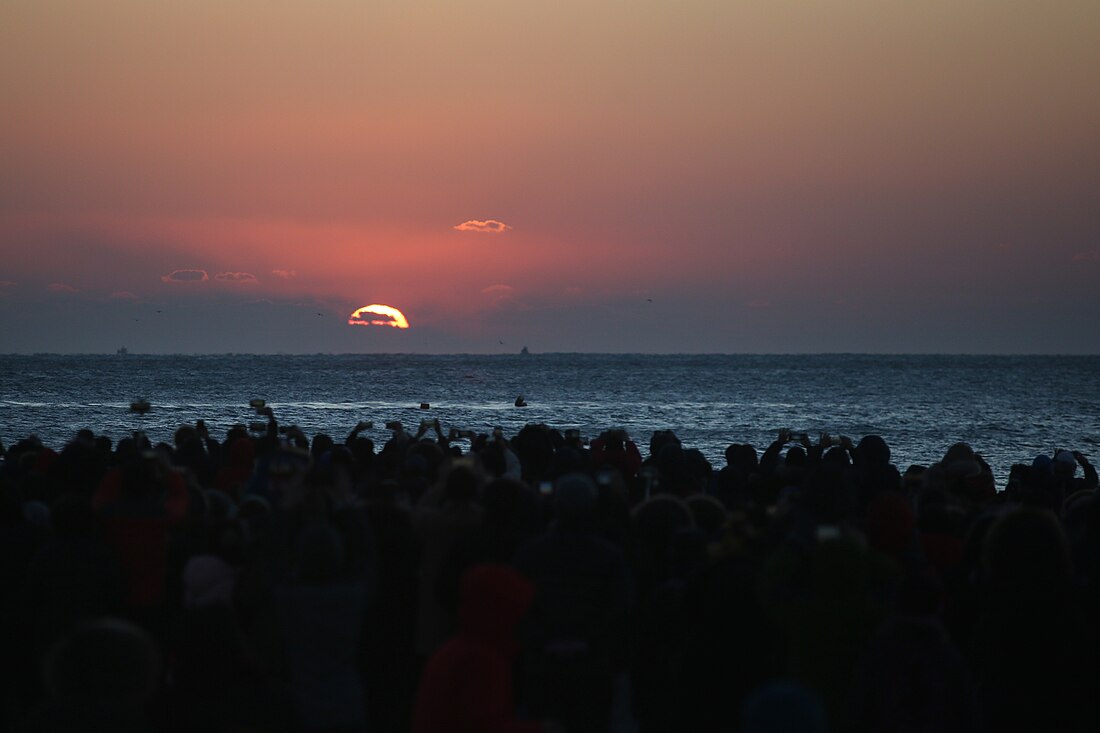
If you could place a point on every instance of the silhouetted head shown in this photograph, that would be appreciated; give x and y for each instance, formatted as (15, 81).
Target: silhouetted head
(745, 458)
(242, 453)
(320, 551)
(568, 459)
(656, 521)
(103, 446)
(959, 461)
(502, 500)
(144, 475)
(783, 706)
(1065, 465)
(574, 500)
(534, 446)
(125, 451)
(105, 662)
(363, 451)
(615, 440)
(837, 457)
(431, 455)
(321, 445)
(660, 439)
(462, 483)
(913, 479)
(184, 434)
(492, 600)
(872, 451)
(913, 679)
(684, 472)
(80, 466)
(708, 513)
(1026, 552)
(234, 433)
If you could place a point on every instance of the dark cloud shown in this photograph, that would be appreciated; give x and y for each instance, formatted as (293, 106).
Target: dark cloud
(489, 226)
(235, 277)
(185, 276)
(61, 288)
(123, 295)
(1087, 257)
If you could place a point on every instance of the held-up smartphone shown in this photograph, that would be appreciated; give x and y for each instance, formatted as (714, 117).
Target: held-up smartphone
(546, 488)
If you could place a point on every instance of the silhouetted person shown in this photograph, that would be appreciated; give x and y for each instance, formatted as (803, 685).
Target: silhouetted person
(467, 684)
(578, 622)
(102, 675)
(1029, 622)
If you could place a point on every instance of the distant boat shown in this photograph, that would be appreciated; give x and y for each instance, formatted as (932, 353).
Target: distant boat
(524, 351)
(122, 351)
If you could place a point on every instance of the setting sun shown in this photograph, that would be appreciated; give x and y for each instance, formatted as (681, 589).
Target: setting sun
(390, 316)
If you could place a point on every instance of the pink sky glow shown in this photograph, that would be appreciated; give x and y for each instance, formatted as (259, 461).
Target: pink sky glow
(760, 176)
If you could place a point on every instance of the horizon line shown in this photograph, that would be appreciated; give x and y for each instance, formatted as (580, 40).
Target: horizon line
(550, 353)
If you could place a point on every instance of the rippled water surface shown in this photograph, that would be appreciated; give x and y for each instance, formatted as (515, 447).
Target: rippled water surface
(1008, 408)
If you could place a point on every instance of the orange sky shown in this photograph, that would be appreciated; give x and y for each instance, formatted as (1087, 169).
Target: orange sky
(779, 175)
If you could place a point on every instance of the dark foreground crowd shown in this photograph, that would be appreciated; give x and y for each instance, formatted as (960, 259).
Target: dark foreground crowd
(461, 582)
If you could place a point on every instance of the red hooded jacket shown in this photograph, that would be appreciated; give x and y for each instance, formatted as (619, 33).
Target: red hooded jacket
(467, 684)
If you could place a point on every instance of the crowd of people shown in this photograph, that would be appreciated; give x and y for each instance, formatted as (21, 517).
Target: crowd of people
(453, 581)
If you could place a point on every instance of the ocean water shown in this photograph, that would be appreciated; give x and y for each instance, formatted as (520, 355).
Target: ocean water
(1008, 407)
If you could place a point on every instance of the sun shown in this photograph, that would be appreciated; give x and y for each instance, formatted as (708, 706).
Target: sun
(378, 315)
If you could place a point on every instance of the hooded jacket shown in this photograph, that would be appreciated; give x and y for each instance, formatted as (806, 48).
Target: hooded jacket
(467, 684)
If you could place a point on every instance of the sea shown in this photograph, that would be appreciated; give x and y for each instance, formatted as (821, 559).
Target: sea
(1009, 408)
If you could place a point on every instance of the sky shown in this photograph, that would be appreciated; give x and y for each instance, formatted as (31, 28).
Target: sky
(705, 176)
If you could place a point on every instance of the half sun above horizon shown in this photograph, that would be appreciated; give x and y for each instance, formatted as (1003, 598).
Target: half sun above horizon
(378, 315)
